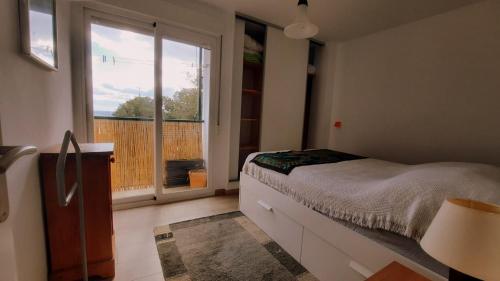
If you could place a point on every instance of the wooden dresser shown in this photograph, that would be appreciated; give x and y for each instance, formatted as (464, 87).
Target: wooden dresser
(62, 223)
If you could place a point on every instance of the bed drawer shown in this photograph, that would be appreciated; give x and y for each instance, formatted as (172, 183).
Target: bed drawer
(283, 230)
(328, 263)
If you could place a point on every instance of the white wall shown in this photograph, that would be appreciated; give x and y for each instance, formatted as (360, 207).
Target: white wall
(35, 108)
(321, 97)
(201, 17)
(425, 91)
(285, 73)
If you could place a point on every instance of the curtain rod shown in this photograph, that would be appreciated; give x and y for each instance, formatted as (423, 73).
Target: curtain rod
(261, 22)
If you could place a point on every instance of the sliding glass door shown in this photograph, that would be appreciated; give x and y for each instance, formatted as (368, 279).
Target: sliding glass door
(122, 58)
(151, 96)
(186, 88)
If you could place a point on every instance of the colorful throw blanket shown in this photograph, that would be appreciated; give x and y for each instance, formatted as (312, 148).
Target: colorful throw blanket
(284, 162)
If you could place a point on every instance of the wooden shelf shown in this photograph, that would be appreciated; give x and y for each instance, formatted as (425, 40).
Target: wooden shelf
(253, 65)
(249, 147)
(251, 92)
(251, 99)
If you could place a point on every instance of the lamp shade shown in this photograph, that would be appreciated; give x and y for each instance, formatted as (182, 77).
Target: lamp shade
(465, 235)
(301, 28)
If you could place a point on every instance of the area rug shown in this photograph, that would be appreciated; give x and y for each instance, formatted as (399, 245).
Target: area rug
(223, 247)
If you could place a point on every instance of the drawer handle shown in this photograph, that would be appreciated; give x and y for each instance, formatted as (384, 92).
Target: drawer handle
(365, 272)
(265, 206)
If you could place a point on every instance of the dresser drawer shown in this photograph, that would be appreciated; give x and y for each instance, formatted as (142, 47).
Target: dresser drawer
(282, 229)
(328, 263)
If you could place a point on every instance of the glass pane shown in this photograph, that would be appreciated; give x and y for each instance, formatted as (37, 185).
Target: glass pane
(184, 108)
(42, 30)
(123, 100)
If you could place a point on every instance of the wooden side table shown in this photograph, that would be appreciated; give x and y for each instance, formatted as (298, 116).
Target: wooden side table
(396, 272)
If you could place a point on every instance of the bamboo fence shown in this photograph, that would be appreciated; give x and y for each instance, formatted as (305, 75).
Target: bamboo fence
(134, 140)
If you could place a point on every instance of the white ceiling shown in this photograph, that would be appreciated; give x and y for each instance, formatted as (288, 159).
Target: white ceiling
(344, 19)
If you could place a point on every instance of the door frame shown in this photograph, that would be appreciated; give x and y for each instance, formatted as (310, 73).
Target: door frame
(183, 35)
(156, 28)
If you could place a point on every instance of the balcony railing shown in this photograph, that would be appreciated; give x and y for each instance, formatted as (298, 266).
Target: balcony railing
(134, 147)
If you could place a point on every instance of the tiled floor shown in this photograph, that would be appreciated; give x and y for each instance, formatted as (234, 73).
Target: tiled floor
(136, 255)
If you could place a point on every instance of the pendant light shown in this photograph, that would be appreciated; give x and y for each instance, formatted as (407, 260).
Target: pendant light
(301, 28)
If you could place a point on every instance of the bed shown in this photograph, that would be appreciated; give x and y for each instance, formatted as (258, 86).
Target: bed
(293, 210)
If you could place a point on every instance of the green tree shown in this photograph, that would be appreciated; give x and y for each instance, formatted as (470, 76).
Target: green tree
(136, 107)
(183, 105)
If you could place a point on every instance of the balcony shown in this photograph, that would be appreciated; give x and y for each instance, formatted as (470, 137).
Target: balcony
(133, 168)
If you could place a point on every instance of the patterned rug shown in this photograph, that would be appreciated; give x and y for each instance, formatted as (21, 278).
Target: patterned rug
(223, 247)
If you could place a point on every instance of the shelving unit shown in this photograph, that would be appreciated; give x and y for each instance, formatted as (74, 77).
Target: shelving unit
(251, 98)
(251, 92)
(250, 147)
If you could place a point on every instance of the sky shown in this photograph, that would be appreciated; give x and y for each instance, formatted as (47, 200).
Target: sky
(41, 34)
(123, 66)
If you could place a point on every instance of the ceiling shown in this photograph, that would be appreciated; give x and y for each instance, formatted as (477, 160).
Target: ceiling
(343, 19)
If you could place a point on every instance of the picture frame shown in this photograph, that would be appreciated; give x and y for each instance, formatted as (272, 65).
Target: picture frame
(38, 26)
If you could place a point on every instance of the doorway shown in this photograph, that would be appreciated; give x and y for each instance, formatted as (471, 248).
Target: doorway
(151, 92)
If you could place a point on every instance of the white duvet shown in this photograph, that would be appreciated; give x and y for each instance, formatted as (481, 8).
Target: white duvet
(379, 194)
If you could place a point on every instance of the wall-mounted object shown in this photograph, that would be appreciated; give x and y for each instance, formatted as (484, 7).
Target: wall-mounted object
(9, 155)
(38, 27)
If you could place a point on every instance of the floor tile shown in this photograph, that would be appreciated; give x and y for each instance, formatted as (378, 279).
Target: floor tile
(154, 277)
(136, 253)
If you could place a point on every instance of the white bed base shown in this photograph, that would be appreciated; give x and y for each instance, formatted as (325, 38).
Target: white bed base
(329, 250)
